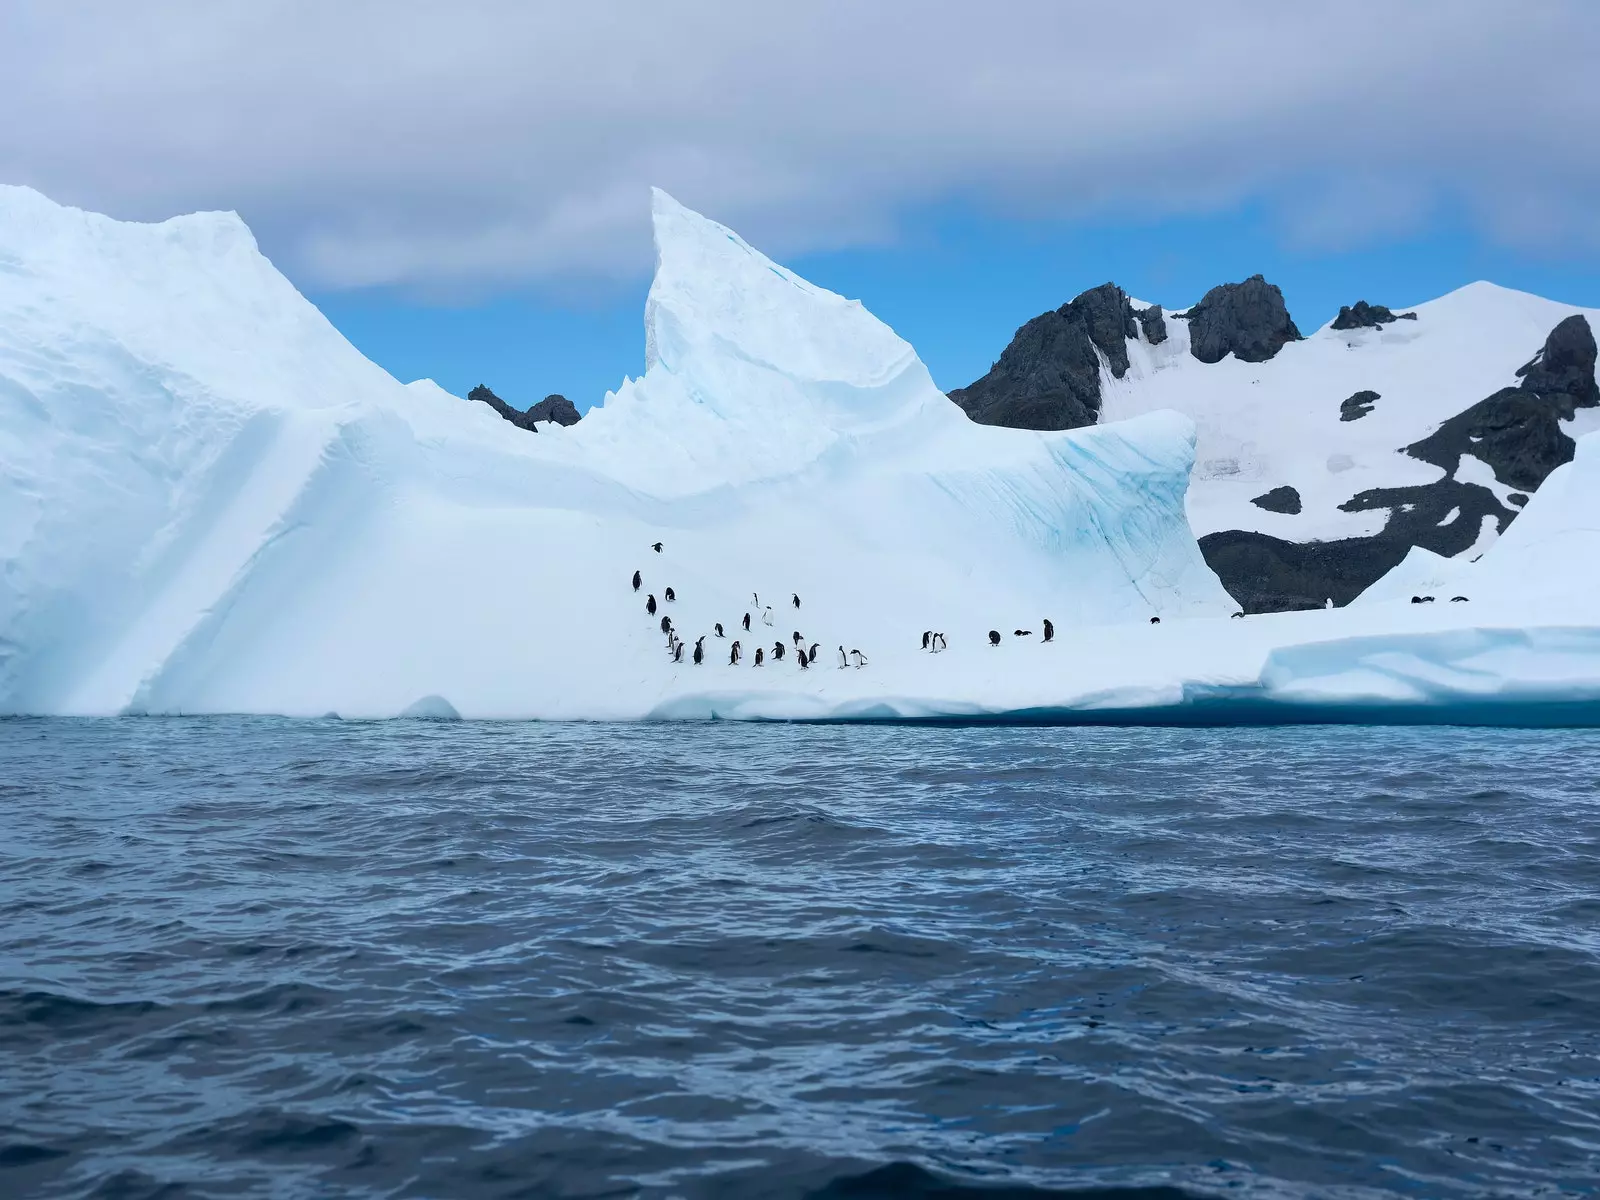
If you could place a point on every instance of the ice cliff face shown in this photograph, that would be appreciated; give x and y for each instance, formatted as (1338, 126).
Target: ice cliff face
(212, 502)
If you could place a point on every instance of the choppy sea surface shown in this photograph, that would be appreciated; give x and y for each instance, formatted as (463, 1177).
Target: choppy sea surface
(262, 958)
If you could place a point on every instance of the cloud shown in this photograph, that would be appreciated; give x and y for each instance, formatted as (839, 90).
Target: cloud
(496, 143)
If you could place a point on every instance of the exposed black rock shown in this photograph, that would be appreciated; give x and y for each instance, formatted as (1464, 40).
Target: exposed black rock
(1517, 498)
(555, 407)
(1362, 315)
(1445, 517)
(1358, 406)
(1153, 324)
(1248, 320)
(1563, 370)
(1268, 574)
(1517, 432)
(1049, 376)
(1279, 500)
(483, 395)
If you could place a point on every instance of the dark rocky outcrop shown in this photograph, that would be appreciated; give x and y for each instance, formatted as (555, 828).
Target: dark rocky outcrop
(1362, 315)
(1517, 432)
(1049, 376)
(483, 395)
(1153, 324)
(1268, 574)
(1563, 370)
(1358, 406)
(1248, 320)
(555, 407)
(1279, 500)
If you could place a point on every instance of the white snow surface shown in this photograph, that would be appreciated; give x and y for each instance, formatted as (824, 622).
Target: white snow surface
(211, 502)
(1262, 425)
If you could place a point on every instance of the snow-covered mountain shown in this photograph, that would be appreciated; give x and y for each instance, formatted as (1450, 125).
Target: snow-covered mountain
(1322, 460)
(209, 501)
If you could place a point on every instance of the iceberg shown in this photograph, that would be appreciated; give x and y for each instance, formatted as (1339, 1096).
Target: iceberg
(213, 503)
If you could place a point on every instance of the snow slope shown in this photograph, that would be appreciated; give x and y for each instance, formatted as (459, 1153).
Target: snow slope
(1263, 425)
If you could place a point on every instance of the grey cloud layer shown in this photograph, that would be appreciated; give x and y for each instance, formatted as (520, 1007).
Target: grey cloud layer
(500, 142)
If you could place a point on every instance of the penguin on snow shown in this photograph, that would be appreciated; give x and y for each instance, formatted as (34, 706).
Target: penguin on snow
(766, 615)
(994, 637)
(939, 643)
(861, 659)
(1049, 630)
(797, 599)
(656, 546)
(677, 654)
(747, 622)
(927, 638)
(759, 656)
(637, 580)
(811, 654)
(666, 624)
(733, 654)
(650, 604)
(699, 650)
(670, 595)
(798, 640)
(718, 628)
(844, 661)
(777, 651)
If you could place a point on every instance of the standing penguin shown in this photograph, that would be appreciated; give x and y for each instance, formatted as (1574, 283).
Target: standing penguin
(843, 660)
(1049, 630)
(747, 622)
(759, 656)
(718, 628)
(733, 654)
(699, 650)
(666, 624)
(939, 643)
(927, 638)
(861, 659)
(670, 595)
(797, 599)
(804, 659)
(677, 655)
(798, 640)
(637, 580)
(812, 653)
(755, 600)
(1155, 620)
(766, 615)
(994, 637)
(650, 604)
(777, 651)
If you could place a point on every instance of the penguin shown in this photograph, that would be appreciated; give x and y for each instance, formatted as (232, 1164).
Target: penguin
(1427, 599)
(798, 640)
(797, 599)
(861, 659)
(1328, 603)
(994, 637)
(1022, 633)
(755, 600)
(670, 595)
(699, 650)
(927, 638)
(666, 624)
(1049, 630)
(801, 657)
(718, 628)
(637, 580)
(811, 654)
(1155, 620)
(1416, 599)
(1457, 599)
(677, 655)
(656, 546)
(759, 656)
(766, 615)
(747, 622)
(777, 651)
(733, 654)
(939, 643)
(843, 660)
(1238, 616)
(650, 605)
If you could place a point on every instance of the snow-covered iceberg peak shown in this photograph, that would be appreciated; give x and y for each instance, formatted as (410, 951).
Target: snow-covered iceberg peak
(751, 371)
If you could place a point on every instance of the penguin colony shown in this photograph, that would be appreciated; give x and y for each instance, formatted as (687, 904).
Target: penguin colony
(933, 641)
(803, 656)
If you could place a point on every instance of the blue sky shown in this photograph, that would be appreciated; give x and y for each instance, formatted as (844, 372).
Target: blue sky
(956, 286)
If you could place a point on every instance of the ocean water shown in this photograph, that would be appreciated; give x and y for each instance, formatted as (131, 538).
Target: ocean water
(249, 957)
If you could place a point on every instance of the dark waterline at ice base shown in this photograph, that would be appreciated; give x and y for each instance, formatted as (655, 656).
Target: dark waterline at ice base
(265, 958)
